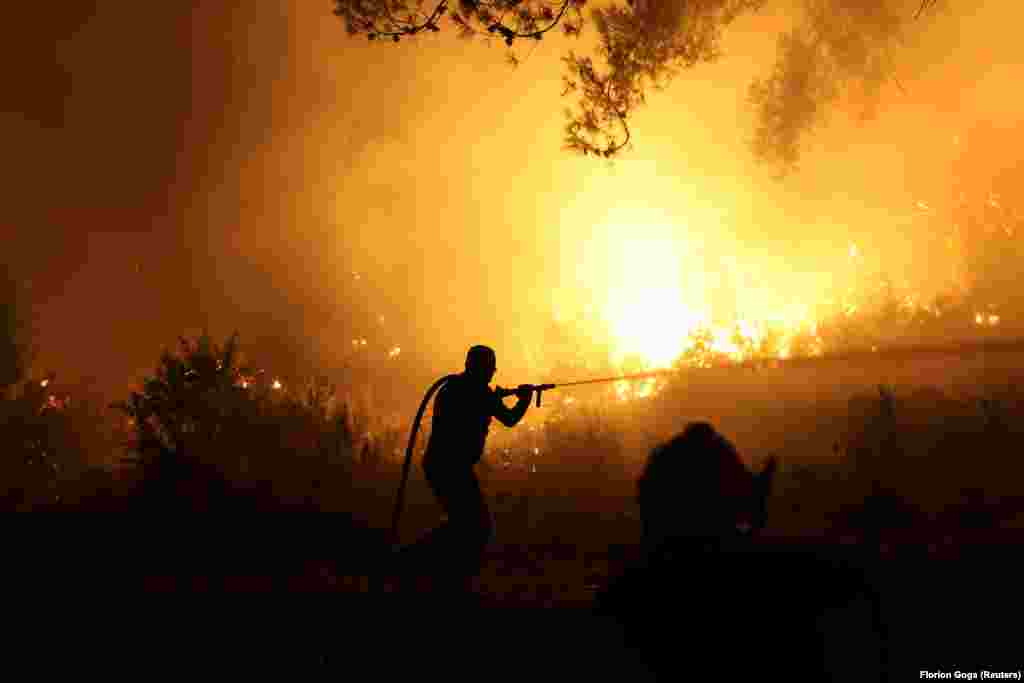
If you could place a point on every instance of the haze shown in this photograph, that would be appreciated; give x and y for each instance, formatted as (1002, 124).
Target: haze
(255, 169)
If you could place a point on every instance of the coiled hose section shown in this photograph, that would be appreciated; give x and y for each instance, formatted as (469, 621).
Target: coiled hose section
(400, 498)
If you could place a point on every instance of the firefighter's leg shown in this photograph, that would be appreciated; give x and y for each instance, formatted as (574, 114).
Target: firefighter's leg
(472, 527)
(468, 529)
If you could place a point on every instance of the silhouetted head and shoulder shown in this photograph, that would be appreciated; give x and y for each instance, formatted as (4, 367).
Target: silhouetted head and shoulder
(703, 573)
(463, 410)
(696, 486)
(481, 364)
(472, 385)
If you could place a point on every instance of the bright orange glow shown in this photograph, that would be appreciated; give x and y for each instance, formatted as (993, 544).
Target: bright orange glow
(656, 293)
(635, 267)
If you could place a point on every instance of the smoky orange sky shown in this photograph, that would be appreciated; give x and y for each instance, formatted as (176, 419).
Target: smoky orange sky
(172, 168)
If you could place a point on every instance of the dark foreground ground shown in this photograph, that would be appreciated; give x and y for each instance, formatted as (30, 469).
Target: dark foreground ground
(301, 592)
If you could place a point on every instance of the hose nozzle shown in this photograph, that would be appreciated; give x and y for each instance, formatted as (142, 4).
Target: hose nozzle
(502, 393)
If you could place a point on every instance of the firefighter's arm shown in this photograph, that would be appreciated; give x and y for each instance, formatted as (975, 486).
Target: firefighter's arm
(510, 417)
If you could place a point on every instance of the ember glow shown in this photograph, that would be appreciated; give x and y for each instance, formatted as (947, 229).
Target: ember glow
(986, 319)
(626, 390)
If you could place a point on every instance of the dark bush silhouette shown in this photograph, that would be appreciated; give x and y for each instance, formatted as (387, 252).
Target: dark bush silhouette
(211, 434)
(46, 441)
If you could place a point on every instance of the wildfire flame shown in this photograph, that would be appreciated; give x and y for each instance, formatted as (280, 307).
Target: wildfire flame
(658, 305)
(648, 310)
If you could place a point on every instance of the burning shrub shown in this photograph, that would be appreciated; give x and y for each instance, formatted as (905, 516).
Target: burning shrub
(48, 441)
(31, 423)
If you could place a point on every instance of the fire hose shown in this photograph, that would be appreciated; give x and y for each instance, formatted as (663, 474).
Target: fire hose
(894, 353)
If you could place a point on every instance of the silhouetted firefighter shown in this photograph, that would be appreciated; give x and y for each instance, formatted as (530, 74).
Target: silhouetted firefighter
(453, 553)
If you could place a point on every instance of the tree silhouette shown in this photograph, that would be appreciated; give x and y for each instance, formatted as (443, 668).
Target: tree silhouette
(16, 332)
(839, 45)
(509, 19)
(642, 46)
